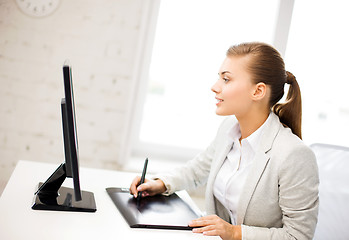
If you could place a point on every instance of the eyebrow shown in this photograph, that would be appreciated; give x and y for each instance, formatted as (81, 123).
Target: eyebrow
(221, 73)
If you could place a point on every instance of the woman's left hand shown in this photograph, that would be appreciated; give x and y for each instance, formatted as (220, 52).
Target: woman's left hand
(215, 226)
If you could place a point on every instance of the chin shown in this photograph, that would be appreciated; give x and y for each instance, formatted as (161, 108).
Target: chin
(222, 113)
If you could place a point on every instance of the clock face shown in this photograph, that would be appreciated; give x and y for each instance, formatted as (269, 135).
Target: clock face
(38, 8)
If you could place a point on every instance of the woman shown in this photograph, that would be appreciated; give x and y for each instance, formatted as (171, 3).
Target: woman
(262, 180)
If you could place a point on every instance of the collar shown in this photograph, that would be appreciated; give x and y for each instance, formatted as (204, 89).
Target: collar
(253, 140)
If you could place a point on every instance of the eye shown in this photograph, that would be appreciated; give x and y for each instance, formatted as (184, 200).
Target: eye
(225, 79)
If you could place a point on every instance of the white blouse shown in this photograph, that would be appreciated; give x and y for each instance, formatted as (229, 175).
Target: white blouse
(233, 173)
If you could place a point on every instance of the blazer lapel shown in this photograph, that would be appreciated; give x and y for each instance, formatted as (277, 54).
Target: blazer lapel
(252, 180)
(223, 147)
(222, 152)
(259, 163)
(220, 159)
(216, 165)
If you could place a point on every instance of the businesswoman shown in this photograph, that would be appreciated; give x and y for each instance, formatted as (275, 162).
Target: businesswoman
(262, 180)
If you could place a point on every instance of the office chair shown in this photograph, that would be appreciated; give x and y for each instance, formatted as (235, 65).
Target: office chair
(333, 221)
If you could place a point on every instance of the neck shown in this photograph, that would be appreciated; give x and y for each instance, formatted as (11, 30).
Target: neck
(250, 122)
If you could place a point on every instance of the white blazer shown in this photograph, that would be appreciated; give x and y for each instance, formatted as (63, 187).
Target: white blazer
(280, 196)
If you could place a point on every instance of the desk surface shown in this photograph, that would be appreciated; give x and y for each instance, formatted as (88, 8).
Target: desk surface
(19, 221)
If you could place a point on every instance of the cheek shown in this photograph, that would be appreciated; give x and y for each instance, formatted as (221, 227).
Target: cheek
(237, 99)
(237, 93)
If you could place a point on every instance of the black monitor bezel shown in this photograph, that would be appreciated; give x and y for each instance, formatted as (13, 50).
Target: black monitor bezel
(70, 132)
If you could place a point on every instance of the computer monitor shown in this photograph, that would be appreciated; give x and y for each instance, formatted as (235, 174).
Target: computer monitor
(50, 194)
(71, 147)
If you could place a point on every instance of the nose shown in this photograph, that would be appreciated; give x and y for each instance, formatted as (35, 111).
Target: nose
(215, 88)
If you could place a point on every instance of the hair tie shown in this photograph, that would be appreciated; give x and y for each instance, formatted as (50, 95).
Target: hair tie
(290, 78)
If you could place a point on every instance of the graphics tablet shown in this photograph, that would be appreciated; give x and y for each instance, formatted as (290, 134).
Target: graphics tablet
(160, 212)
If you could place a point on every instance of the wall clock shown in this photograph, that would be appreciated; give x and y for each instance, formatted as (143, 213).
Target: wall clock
(38, 8)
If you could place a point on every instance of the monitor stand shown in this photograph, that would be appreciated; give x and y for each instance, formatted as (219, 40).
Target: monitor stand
(52, 196)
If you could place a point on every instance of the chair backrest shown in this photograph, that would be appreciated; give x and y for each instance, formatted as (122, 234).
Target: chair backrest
(333, 162)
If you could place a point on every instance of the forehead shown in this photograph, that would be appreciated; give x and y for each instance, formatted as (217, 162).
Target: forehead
(234, 64)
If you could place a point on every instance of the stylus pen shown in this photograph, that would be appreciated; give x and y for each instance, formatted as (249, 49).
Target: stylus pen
(142, 179)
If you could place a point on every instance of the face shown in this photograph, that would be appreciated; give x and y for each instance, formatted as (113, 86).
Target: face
(234, 88)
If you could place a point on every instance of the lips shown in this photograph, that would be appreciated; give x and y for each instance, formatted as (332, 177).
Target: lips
(218, 100)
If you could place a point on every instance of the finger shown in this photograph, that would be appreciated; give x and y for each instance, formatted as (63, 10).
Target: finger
(212, 232)
(203, 229)
(146, 188)
(203, 221)
(199, 223)
(143, 187)
(134, 184)
(145, 194)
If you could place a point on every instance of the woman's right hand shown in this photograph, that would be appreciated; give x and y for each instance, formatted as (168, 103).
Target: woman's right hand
(150, 187)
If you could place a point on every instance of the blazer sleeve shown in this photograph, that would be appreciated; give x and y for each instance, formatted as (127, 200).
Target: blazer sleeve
(298, 198)
(193, 174)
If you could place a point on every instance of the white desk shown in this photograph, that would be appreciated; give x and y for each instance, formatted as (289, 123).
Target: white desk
(19, 221)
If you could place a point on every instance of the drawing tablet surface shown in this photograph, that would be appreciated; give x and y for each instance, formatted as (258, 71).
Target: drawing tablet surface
(161, 212)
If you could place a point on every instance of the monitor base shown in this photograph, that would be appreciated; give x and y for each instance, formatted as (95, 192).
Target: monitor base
(65, 201)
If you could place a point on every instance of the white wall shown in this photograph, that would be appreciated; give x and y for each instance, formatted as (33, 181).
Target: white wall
(100, 38)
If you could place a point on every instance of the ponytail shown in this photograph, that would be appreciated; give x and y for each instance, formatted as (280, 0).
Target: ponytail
(266, 65)
(290, 112)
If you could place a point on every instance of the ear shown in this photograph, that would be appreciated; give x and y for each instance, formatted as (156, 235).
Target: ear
(260, 91)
